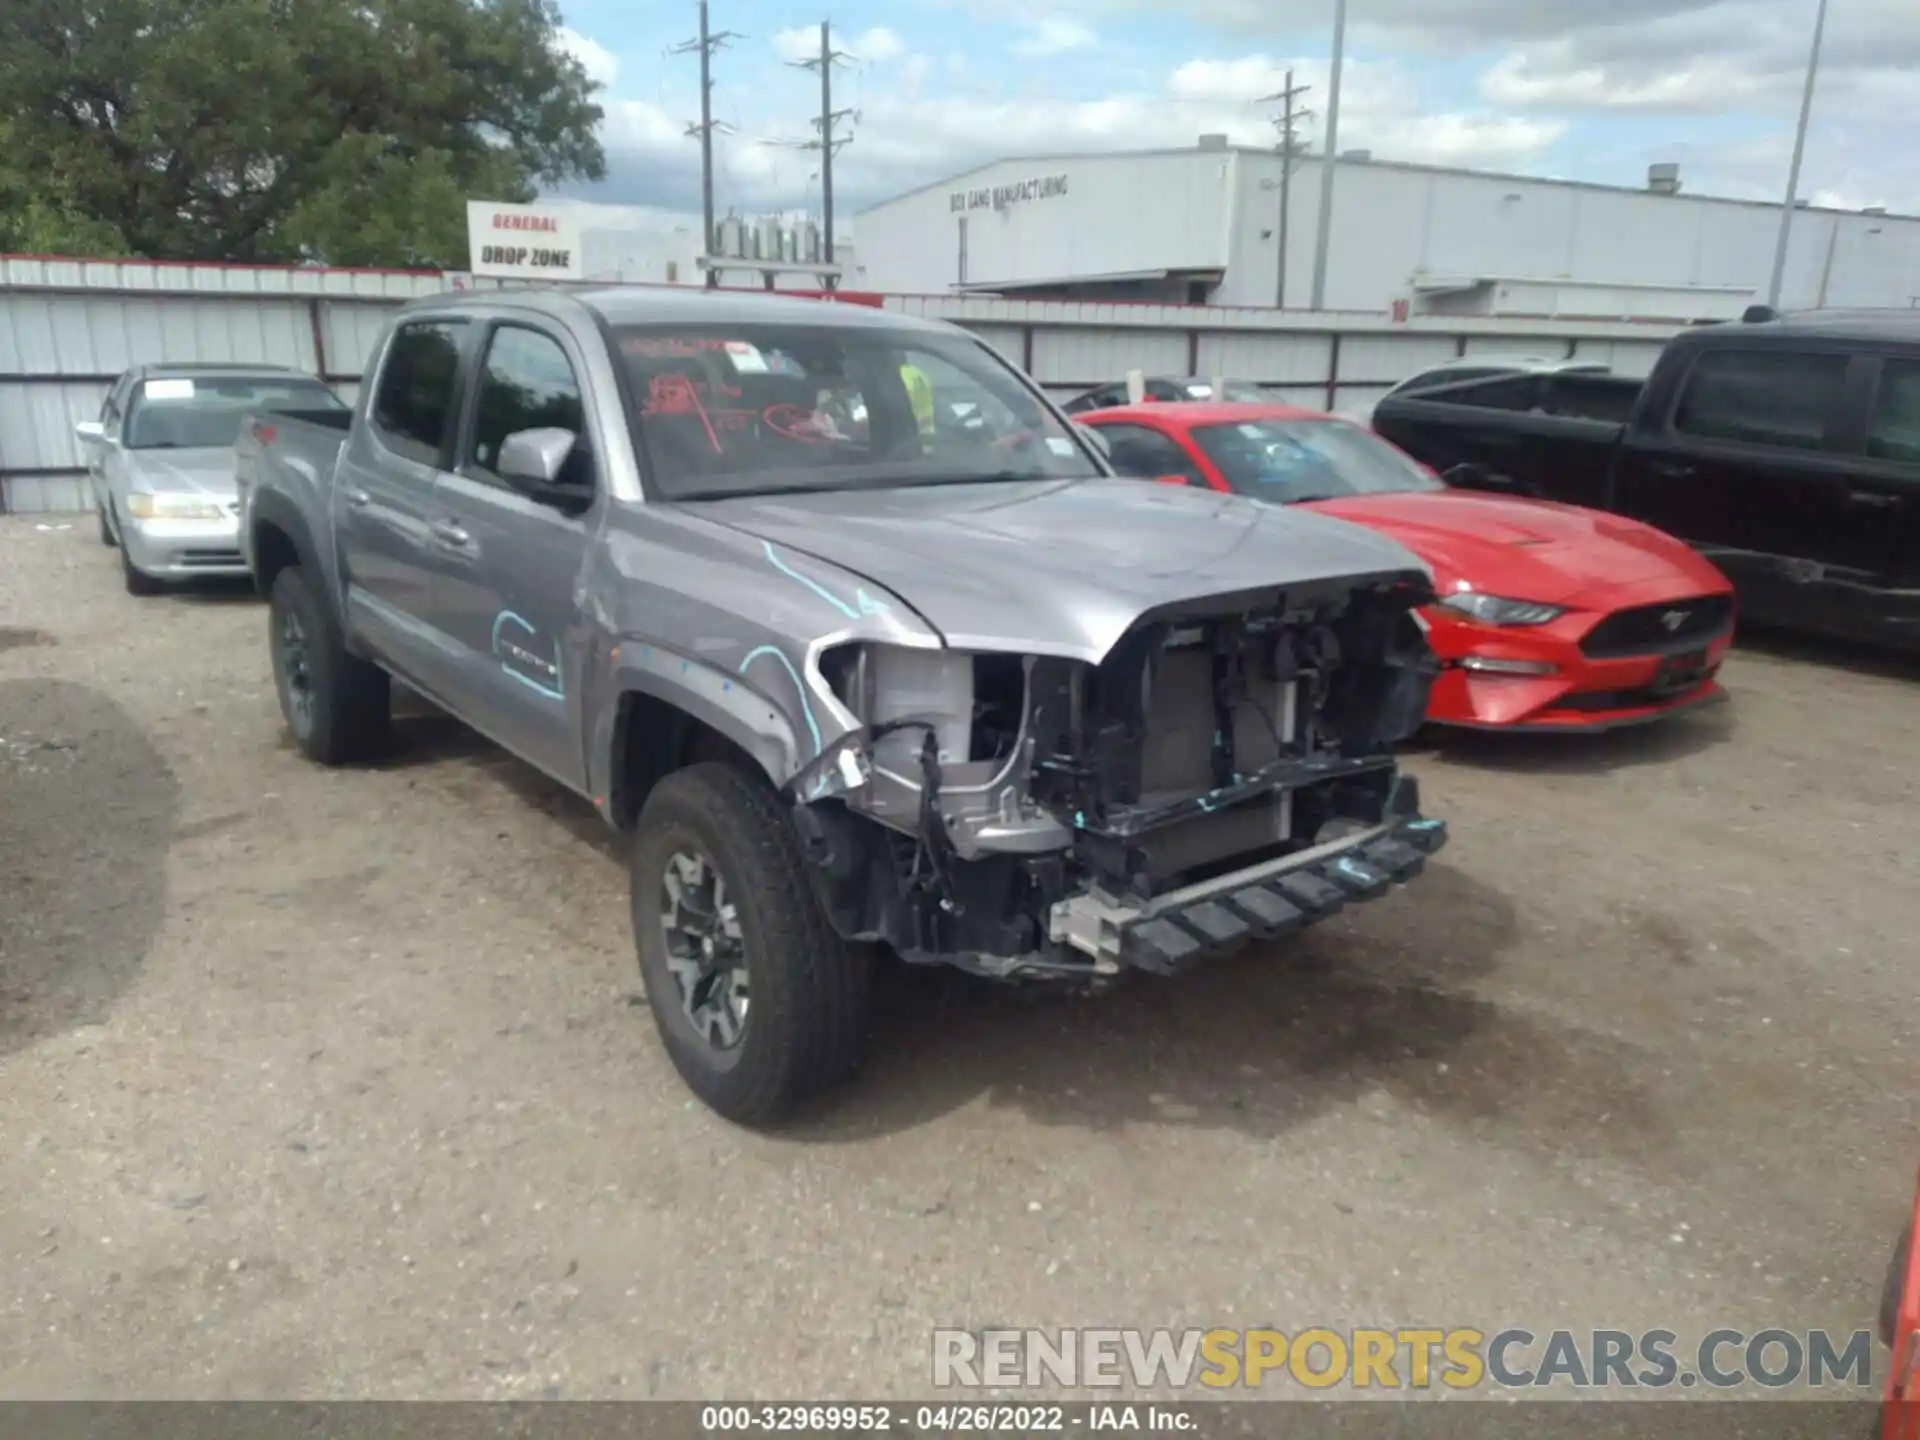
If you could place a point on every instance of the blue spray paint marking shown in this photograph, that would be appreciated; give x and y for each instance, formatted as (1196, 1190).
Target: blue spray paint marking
(1080, 819)
(1423, 825)
(1206, 804)
(505, 618)
(806, 707)
(817, 588)
(868, 605)
(1359, 872)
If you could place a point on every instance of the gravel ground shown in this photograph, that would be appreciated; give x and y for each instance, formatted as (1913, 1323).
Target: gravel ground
(326, 1084)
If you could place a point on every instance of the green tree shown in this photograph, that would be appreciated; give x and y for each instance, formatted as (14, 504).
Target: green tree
(346, 131)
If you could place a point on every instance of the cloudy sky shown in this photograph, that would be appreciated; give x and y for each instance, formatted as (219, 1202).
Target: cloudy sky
(1584, 89)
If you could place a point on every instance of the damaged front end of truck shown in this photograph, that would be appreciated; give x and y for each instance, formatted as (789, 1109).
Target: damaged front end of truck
(1225, 772)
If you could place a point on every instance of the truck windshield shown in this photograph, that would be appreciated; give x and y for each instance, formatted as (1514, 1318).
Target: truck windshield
(203, 412)
(1289, 461)
(760, 409)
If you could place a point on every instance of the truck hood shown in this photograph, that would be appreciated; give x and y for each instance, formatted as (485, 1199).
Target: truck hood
(182, 472)
(1523, 549)
(1057, 567)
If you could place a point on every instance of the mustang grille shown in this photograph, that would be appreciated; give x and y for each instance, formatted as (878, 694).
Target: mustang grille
(1660, 629)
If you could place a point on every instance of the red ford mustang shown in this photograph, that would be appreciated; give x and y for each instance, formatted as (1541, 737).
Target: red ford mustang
(1550, 617)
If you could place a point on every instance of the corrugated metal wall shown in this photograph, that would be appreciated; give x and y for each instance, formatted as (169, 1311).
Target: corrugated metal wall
(68, 327)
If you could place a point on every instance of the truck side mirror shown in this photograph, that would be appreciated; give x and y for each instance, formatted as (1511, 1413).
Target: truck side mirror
(531, 462)
(90, 431)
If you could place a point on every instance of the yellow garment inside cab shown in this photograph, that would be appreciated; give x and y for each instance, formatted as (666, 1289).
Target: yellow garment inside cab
(920, 393)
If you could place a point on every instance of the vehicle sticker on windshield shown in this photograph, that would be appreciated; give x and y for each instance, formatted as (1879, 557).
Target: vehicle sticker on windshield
(1060, 445)
(169, 390)
(746, 359)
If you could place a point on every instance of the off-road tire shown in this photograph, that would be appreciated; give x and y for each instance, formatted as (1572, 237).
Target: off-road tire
(137, 581)
(106, 530)
(351, 701)
(812, 993)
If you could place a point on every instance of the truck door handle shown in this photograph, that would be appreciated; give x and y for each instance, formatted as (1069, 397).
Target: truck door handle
(1674, 470)
(1872, 499)
(448, 533)
(359, 499)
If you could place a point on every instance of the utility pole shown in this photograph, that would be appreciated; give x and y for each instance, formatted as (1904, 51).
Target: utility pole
(1793, 169)
(1289, 146)
(828, 120)
(1327, 160)
(705, 45)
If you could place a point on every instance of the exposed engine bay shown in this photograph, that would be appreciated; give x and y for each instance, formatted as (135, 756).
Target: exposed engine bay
(1225, 772)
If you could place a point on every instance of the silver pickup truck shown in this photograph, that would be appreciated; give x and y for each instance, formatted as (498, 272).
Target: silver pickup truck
(858, 639)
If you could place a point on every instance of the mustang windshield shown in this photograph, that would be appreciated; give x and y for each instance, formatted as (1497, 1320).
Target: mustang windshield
(1288, 461)
(203, 412)
(758, 409)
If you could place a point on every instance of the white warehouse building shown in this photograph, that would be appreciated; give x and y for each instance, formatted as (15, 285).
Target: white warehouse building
(1204, 225)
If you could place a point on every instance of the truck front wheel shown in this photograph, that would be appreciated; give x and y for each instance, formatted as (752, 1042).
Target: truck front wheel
(759, 1002)
(336, 705)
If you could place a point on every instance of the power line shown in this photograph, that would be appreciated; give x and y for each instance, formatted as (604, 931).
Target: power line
(1289, 145)
(704, 45)
(1329, 159)
(826, 141)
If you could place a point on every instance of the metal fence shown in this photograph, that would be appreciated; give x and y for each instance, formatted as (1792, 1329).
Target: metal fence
(68, 327)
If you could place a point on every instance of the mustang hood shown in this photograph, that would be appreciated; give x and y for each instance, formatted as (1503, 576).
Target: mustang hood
(1058, 567)
(1525, 549)
(183, 472)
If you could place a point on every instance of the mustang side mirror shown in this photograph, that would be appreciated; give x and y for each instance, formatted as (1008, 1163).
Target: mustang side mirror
(90, 430)
(1091, 434)
(531, 462)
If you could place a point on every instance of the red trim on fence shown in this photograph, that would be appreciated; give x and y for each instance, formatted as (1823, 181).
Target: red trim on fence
(215, 264)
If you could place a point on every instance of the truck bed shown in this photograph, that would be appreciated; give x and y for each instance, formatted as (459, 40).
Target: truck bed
(299, 448)
(1548, 435)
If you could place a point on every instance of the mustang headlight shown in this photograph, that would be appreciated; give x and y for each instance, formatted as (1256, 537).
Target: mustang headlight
(1498, 610)
(145, 506)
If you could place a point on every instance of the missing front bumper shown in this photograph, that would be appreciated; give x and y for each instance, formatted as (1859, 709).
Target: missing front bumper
(1173, 932)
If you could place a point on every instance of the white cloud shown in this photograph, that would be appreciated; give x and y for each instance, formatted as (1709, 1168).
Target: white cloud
(912, 132)
(601, 64)
(1055, 35)
(878, 45)
(800, 42)
(875, 45)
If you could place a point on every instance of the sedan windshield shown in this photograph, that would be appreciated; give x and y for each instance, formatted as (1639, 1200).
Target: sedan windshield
(204, 411)
(1289, 461)
(765, 409)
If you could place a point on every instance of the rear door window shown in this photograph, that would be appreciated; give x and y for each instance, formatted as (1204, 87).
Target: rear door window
(1763, 397)
(419, 384)
(1148, 454)
(1894, 432)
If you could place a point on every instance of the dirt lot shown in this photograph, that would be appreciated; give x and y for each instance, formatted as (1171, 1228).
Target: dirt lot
(334, 1084)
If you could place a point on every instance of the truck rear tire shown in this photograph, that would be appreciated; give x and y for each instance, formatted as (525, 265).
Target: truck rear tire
(337, 705)
(760, 1004)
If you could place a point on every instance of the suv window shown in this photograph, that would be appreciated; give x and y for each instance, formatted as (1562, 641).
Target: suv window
(1100, 399)
(1762, 397)
(527, 383)
(1895, 431)
(418, 386)
(1147, 454)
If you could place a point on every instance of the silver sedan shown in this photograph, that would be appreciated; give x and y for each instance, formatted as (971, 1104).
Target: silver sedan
(160, 461)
